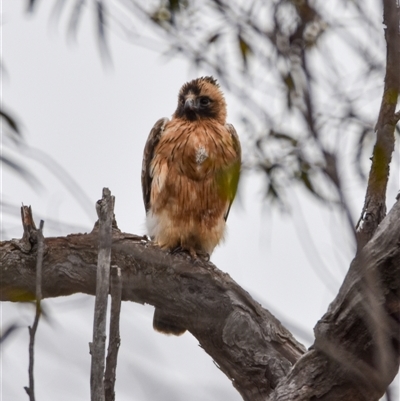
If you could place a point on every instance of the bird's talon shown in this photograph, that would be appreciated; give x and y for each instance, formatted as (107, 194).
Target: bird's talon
(175, 250)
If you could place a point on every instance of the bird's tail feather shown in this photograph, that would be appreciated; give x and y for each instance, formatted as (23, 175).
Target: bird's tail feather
(166, 323)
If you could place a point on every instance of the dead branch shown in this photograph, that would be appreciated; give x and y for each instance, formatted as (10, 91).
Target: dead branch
(345, 361)
(105, 212)
(248, 343)
(29, 229)
(114, 336)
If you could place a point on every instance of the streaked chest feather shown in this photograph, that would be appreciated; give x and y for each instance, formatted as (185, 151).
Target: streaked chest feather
(194, 150)
(187, 167)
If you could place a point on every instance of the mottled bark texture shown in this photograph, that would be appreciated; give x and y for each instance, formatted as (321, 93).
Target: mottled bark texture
(30, 228)
(114, 336)
(374, 209)
(356, 352)
(245, 340)
(105, 212)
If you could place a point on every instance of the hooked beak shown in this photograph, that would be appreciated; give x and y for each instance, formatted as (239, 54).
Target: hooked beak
(190, 104)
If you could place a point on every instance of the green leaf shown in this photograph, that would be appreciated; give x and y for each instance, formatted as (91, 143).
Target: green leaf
(174, 5)
(288, 81)
(245, 49)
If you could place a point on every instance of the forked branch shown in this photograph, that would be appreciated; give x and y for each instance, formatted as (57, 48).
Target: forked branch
(248, 343)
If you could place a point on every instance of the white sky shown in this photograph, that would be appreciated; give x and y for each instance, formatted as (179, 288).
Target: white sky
(94, 124)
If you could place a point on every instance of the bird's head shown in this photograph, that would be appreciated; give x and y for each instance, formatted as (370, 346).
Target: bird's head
(201, 98)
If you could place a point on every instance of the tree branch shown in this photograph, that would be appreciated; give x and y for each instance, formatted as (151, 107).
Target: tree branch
(357, 347)
(30, 230)
(247, 342)
(114, 337)
(105, 212)
(374, 209)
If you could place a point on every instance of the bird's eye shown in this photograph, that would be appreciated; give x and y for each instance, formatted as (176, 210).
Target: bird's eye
(205, 101)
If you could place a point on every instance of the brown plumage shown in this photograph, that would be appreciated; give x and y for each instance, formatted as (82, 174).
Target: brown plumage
(190, 172)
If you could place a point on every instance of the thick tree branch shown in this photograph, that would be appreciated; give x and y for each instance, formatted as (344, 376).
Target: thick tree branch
(247, 342)
(374, 209)
(356, 353)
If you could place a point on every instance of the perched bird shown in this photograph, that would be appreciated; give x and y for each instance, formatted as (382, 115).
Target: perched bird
(190, 174)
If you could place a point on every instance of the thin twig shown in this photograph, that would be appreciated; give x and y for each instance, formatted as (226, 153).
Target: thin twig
(32, 330)
(105, 211)
(114, 335)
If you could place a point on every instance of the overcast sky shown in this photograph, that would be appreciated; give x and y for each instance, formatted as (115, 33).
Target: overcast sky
(93, 123)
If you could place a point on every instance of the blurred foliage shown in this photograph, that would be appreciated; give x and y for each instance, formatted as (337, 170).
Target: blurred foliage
(7, 331)
(13, 125)
(16, 151)
(11, 130)
(304, 72)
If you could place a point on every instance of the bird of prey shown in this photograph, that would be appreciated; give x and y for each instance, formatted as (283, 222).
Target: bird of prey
(190, 174)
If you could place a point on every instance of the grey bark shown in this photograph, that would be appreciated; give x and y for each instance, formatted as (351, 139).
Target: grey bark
(114, 336)
(105, 212)
(356, 352)
(29, 231)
